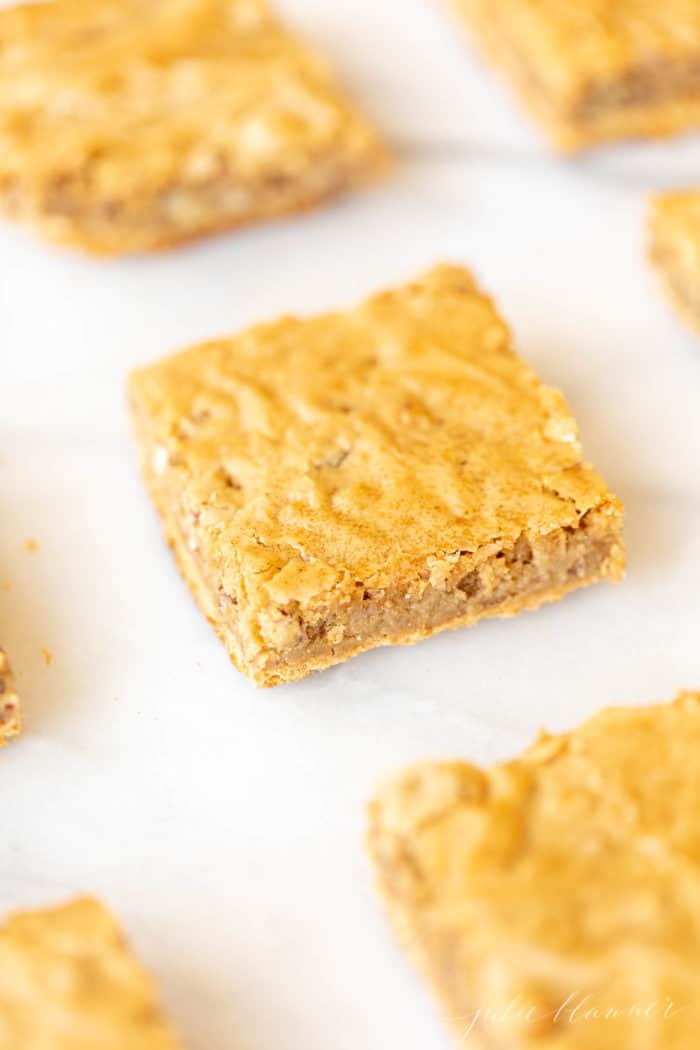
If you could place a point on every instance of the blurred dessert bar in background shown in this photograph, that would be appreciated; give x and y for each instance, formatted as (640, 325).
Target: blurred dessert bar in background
(593, 71)
(554, 900)
(69, 982)
(128, 125)
(9, 701)
(675, 249)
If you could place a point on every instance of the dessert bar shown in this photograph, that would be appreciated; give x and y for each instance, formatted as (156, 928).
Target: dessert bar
(596, 70)
(554, 900)
(369, 477)
(9, 701)
(129, 125)
(68, 982)
(675, 250)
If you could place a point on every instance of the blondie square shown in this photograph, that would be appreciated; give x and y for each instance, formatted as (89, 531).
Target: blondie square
(675, 249)
(370, 477)
(596, 70)
(555, 900)
(9, 702)
(128, 125)
(68, 982)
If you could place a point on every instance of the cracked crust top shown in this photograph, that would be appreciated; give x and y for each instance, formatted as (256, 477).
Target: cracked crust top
(568, 876)
(113, 111)
(68, 982)
(9, 701)
(309, 454)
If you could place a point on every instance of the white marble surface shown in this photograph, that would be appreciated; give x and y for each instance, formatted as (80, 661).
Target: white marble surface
(225, 824)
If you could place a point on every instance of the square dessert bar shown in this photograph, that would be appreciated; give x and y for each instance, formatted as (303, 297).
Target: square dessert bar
(675, 249)
(554, 901)
(128, 125)
(369, 477)
(596, 70)
(9, 702)
(68, 982)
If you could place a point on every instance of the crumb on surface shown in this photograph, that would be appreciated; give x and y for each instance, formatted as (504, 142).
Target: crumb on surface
(31, 545)
(48, 655)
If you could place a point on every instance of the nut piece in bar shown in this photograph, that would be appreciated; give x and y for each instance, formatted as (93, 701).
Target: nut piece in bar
(594, 71)
(675, 249)
(130, 125)
(68, 982)
(555, 900)
(10, 721)
(369, 477)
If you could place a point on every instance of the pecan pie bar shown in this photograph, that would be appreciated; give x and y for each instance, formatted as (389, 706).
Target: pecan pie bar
(369, 477)
(9, 702)
(675, 249)
(555, 900)
(596, 70)
(128, 125)
(68, 982)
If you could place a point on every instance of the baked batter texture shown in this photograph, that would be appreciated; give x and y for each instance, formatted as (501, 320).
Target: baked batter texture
(10, 723)
(555, 900)
(68, 982)
(675, 249)
(369, 477)
(594, 71)
(129, 125)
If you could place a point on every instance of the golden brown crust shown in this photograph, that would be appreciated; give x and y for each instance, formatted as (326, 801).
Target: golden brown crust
(674, 248)
(369, 477)
(568, 876)
(130, 125)
(10, 720)
(595, 71)
(68, 982)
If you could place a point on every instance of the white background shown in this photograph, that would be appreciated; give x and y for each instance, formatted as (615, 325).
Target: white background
(225, 824)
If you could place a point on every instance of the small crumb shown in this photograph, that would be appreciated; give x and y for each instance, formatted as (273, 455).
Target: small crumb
(48, 656)
(31, 546)
(6, 586)
(199, 663)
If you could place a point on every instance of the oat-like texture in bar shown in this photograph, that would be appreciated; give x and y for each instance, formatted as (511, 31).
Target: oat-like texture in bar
(69, 982)
(593, 71)
(369, 477)
(10, 720)
(129, 125)
(554, 901)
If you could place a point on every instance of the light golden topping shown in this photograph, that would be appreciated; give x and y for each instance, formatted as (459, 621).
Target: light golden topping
(569, 876)
(67, 982)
